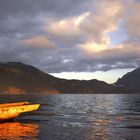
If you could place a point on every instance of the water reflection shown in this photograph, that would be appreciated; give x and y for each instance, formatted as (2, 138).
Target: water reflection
(100, 129)
(18, 131)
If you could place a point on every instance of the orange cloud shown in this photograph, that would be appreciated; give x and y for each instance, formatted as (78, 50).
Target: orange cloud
(39, 41)
(66, 28)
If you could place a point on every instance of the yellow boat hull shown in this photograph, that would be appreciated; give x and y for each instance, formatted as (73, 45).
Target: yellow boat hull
(10, 111)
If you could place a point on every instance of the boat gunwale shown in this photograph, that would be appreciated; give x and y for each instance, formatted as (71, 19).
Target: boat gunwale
(13, 104)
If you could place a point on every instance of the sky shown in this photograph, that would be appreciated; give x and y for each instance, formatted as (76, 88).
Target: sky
(72, 38)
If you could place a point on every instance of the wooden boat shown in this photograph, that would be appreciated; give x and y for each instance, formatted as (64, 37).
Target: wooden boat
(9, 111)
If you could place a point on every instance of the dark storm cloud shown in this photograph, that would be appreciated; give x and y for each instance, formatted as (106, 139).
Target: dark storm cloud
(19, 26)
(33, 7)
(77, 62)
(22, 15)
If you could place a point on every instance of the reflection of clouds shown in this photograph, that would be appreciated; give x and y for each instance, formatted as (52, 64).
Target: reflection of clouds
(16, 130)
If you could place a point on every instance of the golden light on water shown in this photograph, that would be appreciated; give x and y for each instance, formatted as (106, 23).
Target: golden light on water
(16, 130)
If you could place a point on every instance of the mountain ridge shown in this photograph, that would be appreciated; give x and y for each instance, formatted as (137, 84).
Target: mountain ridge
(131, 79)
(17, 77)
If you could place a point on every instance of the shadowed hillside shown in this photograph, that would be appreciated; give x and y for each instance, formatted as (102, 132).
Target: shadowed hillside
(131, 80)
(18, 77)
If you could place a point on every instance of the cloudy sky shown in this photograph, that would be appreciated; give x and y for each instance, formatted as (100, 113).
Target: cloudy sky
(82, 39)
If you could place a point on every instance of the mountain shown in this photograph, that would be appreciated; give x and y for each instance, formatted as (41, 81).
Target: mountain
(131, 80)
(16, 77)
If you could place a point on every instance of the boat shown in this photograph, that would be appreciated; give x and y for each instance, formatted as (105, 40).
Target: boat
(9, 111)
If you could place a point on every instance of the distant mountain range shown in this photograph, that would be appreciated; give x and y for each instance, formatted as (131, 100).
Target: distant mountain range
(16, 77)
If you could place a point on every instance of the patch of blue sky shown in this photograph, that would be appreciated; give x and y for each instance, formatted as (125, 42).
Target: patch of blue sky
(119, 36)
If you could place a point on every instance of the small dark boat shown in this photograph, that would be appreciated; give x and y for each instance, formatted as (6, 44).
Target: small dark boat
(9, 111)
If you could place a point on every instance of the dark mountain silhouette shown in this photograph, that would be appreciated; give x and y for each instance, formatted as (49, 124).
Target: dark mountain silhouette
(19, 77)
(131, 80)
(16, 77)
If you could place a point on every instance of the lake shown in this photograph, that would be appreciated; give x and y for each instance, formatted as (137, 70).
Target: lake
(75, 117)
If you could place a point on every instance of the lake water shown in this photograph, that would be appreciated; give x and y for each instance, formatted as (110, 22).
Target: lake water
(75, 117)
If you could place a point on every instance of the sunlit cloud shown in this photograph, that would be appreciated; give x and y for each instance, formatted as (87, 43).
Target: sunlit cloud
(93, 26)
(92, 47)
(65, 28)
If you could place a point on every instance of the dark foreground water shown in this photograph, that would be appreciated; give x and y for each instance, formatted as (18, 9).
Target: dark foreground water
(75, 117)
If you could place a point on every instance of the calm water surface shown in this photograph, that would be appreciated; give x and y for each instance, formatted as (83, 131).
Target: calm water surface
(75, 117)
